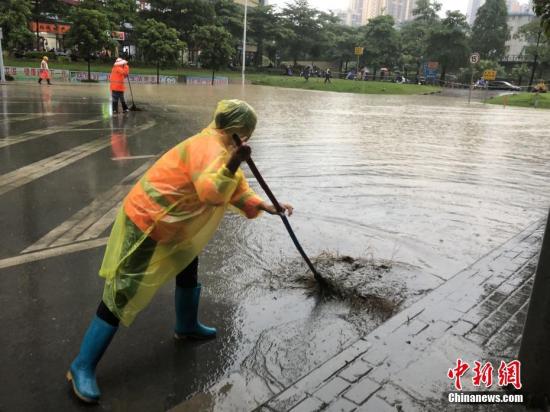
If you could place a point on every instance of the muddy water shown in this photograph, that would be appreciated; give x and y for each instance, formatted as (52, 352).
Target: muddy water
(412, 189)
(425, 184)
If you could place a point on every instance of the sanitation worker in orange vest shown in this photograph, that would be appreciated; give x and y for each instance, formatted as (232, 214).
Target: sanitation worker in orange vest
(44, 71)
(118, 78)
(163, 224)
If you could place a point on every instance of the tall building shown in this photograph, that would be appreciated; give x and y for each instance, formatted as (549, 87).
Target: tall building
(513, 6)
(400, 10)
(473, 6)
(516, 46)
(252, 3)
(352, 16)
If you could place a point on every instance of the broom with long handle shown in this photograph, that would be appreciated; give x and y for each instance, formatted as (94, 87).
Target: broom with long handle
(280, 212)
(133, 107)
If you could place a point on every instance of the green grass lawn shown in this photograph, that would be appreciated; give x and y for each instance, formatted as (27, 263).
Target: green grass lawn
(524, 100)
(339, 85)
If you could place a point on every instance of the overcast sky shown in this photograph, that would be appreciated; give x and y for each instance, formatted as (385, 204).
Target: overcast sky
(461, 5)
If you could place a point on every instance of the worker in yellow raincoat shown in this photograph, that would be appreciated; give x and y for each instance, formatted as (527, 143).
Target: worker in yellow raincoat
(164, 223)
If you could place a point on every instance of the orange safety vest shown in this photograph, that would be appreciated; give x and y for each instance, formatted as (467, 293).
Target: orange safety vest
(118, 75)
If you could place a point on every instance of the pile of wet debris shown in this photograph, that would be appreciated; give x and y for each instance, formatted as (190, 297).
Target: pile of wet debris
(367, 283)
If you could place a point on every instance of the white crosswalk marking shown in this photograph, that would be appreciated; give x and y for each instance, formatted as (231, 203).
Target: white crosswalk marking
(58, 251)
(36, 170)
(35, 134)
(92, 220)
(25, 117)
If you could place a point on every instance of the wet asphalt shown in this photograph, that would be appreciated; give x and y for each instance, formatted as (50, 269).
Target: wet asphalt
(427, 182)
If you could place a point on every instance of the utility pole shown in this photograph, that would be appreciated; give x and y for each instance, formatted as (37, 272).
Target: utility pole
(536, 57)
(533, 352)
(2, 71)
(244, 39)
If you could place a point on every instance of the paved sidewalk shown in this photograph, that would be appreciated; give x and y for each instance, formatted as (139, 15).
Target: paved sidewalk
(402, 365)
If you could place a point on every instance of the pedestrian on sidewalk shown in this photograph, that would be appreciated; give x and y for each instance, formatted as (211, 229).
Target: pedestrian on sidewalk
(44, 71)
(164, 223)
(328, 75)
(119, 73)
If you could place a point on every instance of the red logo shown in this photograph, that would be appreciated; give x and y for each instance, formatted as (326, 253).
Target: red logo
(508, 374)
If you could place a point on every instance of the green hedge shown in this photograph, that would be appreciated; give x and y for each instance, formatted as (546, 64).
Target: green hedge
(39, 54)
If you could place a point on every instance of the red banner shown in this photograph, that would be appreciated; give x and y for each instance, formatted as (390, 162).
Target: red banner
(50, 27)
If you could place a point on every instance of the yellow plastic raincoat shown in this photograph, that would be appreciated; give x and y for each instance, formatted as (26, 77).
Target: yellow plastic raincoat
(173, 211)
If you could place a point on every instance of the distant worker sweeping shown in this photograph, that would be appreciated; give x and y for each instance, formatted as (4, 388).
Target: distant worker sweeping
(119, 73)
(44, 71)
(164, 223)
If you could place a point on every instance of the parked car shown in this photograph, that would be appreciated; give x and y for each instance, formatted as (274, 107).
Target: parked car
(503, 85)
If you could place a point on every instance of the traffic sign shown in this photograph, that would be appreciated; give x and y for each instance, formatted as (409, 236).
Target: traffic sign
(490, 74)
(474, 58)
(359, 51)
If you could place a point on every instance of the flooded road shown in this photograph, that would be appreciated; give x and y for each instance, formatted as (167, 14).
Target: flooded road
(420, 186)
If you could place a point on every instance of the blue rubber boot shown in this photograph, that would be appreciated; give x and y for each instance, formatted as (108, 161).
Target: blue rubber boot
(187, 307)
(82, 370)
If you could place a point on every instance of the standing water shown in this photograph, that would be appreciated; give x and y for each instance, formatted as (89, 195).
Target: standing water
(393, 195)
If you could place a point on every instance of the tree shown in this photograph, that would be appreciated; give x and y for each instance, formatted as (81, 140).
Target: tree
(263, 27)
(538, 45)
(328, 29)
(183, 15)
(299, 18)
(381, 42)
(346, 39)
(520, 72)
(490, 30)
(216, 47)
(120, 12)
(426, 11)
(542, 9)
(90, 32)
(46, 9)
(158, 43)
(414, 33)
(14, 17)
(448, 43)
(230, 16)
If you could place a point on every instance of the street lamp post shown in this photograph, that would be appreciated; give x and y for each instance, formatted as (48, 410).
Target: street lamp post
(244, 39)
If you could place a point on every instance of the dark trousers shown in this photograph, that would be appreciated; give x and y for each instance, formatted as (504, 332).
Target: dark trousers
(116, 97)
(187, 278)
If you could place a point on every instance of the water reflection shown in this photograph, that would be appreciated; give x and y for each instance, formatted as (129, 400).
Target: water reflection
(119, 143)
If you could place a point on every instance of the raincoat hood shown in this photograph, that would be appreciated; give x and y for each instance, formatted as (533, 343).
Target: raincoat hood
(233, 115)
(120, 62)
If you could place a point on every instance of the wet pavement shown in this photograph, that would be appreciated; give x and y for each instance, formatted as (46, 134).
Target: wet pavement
(425, 183)
(476, 316)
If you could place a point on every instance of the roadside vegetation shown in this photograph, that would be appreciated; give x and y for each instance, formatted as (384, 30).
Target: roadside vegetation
(346, 86)
(540, 101)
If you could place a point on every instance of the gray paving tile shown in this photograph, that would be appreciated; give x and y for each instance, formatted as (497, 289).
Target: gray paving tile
(330, 390)
(362, 390)
(357, 369)
(341, 405)
(309, 405)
